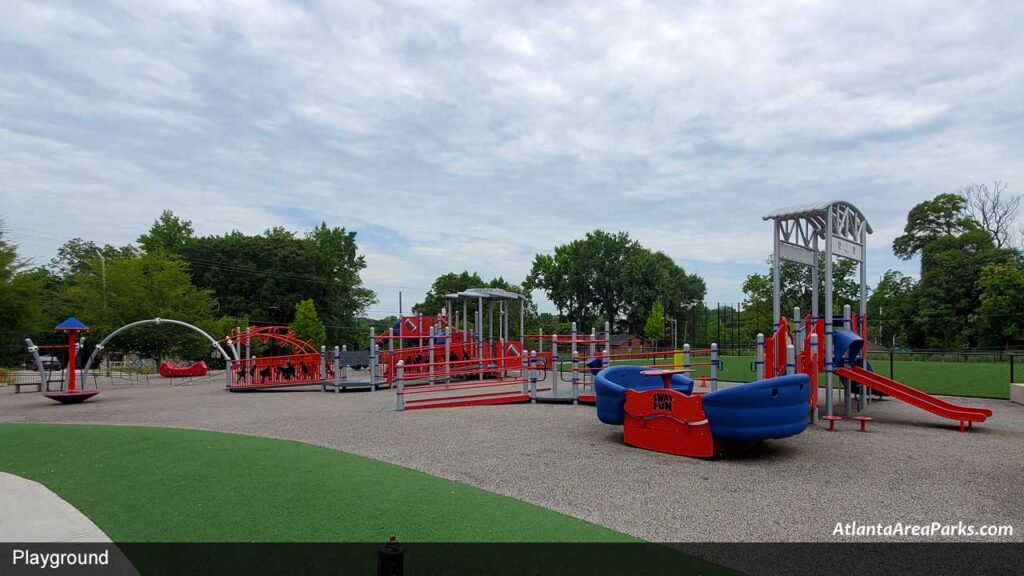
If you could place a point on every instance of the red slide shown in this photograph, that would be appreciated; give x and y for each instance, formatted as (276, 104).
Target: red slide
(915, 397)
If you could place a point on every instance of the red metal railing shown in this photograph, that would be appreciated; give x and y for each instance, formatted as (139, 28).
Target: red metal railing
(276, 371)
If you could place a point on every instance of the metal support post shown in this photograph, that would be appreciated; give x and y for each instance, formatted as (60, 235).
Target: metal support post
(759, 359)
(399, 385)
(714, 366)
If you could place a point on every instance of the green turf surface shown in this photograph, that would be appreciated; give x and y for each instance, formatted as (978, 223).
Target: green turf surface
(157, 484)
(162, 485)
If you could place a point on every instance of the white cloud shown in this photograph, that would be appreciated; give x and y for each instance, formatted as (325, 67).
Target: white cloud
(483, 132)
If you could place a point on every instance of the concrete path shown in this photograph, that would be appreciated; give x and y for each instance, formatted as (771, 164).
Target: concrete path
(30, 512)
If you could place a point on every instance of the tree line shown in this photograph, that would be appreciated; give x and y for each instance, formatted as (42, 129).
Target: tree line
(216, 282)
(969, 292)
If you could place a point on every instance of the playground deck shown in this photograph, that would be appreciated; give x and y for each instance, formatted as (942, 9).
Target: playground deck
(910, 468)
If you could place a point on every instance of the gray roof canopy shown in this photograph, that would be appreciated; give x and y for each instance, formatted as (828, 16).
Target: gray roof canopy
(817, 214)
(487, 294)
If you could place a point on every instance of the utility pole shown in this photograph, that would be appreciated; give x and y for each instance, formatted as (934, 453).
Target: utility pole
(103, 272)
(881, 314)
(675, 332)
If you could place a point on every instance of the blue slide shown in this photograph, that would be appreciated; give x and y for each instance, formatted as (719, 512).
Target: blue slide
(847, 349)
(772, 408)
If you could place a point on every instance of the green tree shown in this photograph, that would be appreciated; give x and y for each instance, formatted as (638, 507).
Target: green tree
(307, 324)
(890, 307)
(76, 255)
(340, 292)
(605, 276)
(1000, 316)
(797, 290)
(648, 277)
(380, 326)
(450, 283)
(22, 297)
(168, 234)
(654, 328)
(582, 277)
(264, 276)
(942, 216)
(948, 294)
(149, 286)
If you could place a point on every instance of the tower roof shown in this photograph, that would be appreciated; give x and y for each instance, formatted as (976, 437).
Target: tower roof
(71, 323)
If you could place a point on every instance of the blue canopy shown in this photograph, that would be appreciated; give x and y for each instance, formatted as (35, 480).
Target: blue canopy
(71, 323)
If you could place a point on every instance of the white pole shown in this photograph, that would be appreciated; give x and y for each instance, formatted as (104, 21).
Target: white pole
(399, 385)
(776, 277)
(555, 366)
(533, 376)
(814, 366)
(574, 378)
(798, 330)
(430, 356)
(864, 310)
(714, 366)
(448, 355)
(847, 384)
(606, 362)
(828, 315)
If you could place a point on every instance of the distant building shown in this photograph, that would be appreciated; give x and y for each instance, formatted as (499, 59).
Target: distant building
(628, 343)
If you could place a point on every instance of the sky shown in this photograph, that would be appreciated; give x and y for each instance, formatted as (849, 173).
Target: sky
(473, 135)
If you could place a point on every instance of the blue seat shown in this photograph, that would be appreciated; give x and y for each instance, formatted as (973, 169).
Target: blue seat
(772, 408)
(611, 384)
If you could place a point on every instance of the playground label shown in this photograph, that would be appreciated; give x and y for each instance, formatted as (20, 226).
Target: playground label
(847, 249)
(795, 253)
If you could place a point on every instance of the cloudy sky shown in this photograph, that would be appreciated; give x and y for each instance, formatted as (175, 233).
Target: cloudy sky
(471, 135)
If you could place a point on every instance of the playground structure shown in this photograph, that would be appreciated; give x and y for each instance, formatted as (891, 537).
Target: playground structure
(798, 233)
(536, 376)
(447, 362)
(450, 360)
(426, 343)
(660, 411)
(302, 366)
(672, 418)
(157, 321)
(72, 382)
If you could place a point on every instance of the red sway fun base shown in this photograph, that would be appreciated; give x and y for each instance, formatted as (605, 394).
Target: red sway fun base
(665, 420)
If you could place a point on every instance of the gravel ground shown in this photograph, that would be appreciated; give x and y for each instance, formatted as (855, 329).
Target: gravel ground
(912, 467)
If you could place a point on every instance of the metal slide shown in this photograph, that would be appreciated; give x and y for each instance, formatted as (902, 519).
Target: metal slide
(915, 397)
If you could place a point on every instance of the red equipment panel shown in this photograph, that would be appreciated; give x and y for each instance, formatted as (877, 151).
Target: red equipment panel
(275, 371)
(667, 421)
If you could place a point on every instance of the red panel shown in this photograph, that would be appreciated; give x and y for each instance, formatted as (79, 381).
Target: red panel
(667, 421)
(472, 401)
(276, 371)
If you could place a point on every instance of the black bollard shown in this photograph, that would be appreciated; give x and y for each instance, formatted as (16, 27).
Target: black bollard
(390, 558)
